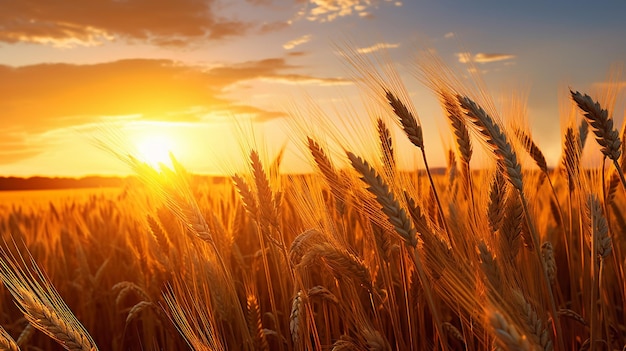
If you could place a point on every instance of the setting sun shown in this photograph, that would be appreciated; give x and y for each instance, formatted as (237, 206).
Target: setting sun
(155, 149)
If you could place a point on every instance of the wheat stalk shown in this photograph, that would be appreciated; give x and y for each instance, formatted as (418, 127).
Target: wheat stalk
(25, 335)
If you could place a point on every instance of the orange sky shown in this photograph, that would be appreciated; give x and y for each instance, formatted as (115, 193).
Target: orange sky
(186, 69)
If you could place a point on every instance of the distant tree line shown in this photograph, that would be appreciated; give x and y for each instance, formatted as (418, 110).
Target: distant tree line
(41, 183)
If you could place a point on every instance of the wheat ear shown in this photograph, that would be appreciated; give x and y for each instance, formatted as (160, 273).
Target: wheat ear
(602, 125)
(496, 139)
(42, 305)
(386, 145)
(398, 218)
(409, 123)
(330, 174)
(507, 335)
(6, 341)
(396, 215)
(414, 132)
(255, 325)
(507, 160)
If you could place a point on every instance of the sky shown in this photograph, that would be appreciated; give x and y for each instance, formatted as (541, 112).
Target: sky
(189, 76)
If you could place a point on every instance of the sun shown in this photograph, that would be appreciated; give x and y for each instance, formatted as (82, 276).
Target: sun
(155, 150)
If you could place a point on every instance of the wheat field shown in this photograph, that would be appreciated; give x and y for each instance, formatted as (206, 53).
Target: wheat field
(359, 255)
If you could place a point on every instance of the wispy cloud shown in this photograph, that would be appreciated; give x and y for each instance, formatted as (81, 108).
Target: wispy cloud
(67, 22)
(304, 79)
(377, 47)
(465, 57)
(15, 148)
(449, 35)
(330, 10)
(298, 41)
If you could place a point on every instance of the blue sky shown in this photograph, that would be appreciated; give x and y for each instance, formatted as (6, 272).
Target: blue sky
(184, 69)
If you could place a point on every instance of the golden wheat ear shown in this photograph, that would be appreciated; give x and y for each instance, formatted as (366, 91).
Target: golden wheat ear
(7, 342)
(40, 303)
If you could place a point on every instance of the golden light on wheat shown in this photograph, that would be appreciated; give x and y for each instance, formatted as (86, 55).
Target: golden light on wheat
(358, 255)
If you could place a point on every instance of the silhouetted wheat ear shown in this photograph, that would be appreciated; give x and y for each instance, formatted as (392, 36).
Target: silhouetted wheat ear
(571, 157)
(533, 322)
(496, 139)
(264, 192)
(532, 149)
(507, 335)
(341, 263)
(490, 268)
(548, 256)
(497, 200)
(412, 129)
(327, 169)
(598, 227)
(391, 208)
(455, 116)
(247, 196)
(296, 318)
(601, 124)
(386, 144)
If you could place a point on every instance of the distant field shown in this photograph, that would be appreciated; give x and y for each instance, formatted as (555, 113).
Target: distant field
(57, 196)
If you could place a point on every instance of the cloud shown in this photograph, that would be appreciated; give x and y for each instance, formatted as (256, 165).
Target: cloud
(14, 148)
(449, 35)
(38, 98)
(465, 57)
(304, 79)
(296, 42)
(44, 96)
(67, 23)
(330, 10)
(377, 47)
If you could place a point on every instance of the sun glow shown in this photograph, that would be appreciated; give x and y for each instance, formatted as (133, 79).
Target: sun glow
(155, 150)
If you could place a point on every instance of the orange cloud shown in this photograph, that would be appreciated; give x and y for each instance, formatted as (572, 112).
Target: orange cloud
(14, 148)
(465, 57)
(38, 98)
(377, 47)
(66, 22)
(298, 41)
(330, 10)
